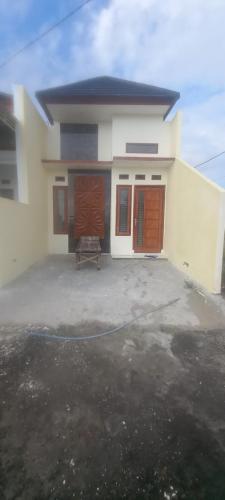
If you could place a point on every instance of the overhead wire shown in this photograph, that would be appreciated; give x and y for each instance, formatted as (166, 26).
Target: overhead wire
(209, 159)
(44, 33)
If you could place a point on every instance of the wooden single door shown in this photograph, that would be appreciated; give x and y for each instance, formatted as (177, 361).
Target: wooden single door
(89, 206)
(148, 218)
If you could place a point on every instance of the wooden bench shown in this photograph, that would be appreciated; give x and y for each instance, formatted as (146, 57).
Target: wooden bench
(88, 250)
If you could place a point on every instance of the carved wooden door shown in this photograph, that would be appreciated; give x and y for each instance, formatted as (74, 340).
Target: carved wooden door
(89, 206)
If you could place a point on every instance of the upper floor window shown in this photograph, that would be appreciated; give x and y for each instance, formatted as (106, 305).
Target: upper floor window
(79, 141)
(141, 147)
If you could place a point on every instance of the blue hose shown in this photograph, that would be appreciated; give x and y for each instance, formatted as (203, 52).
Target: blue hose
(103, 334)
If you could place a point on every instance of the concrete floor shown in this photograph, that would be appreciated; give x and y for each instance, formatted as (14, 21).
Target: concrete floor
(53, 292)
(135, 415)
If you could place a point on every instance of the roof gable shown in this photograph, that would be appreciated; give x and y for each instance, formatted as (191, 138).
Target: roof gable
(106, 90)
(108, 86)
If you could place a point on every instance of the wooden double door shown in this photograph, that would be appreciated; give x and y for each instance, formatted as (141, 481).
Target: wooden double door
(148, 218)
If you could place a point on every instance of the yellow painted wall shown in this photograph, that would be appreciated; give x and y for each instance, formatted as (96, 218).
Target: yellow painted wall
(195, 225)
(23, 225)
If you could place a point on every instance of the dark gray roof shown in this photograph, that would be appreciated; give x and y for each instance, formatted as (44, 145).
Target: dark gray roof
(108, 86)
(106, 90)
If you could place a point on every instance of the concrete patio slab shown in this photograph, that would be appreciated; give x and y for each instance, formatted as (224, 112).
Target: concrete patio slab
(53, 292)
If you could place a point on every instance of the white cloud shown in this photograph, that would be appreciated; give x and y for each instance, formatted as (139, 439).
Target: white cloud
(179, 45)
(15, 8)
(204, 124)
(171, 42)
(204, 136)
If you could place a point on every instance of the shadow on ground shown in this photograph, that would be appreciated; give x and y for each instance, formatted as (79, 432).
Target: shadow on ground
(138, 415)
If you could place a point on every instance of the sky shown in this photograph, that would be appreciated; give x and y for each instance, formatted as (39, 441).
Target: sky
(176, 44)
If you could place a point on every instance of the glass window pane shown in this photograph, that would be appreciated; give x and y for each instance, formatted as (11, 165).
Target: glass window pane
(60, 200)
(60, 208)
(79, 141)
(141, 148)
(123, 211)
(140, 219)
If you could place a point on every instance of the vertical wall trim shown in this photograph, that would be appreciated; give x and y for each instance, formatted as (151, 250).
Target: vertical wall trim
(21, 161)
(220, 244)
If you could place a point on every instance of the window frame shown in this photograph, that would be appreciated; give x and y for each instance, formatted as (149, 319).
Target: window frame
(156, 177)
(119, 188)
(139, 145)
(65, 226)
(79, 141)
(140, 177)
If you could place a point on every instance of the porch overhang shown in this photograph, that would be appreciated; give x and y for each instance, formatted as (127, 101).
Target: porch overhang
(128, 161)
(77, 164)
(136, 161)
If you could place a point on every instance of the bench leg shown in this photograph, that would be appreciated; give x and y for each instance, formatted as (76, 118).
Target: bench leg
(98, 262)
(78, 261)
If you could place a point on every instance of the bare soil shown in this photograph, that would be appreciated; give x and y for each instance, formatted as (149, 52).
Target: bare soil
(137, 415)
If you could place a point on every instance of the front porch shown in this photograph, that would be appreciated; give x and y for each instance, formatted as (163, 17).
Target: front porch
(125, 206)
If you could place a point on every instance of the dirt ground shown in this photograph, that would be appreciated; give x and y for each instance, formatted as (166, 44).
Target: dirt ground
(136, 415)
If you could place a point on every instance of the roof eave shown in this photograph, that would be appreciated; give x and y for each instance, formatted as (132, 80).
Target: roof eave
(172, 105)
(44, 101)
(45, 108)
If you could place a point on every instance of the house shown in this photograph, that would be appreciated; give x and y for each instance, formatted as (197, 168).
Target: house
(103, 158)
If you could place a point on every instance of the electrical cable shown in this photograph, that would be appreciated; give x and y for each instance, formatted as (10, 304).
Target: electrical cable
(209, 159)
(46, 32)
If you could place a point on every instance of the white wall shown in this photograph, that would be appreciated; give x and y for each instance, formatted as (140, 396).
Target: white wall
(135, 128)
(105, 141)
(122, 246)
(175, 125)
(52, 142)
(113, 135)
